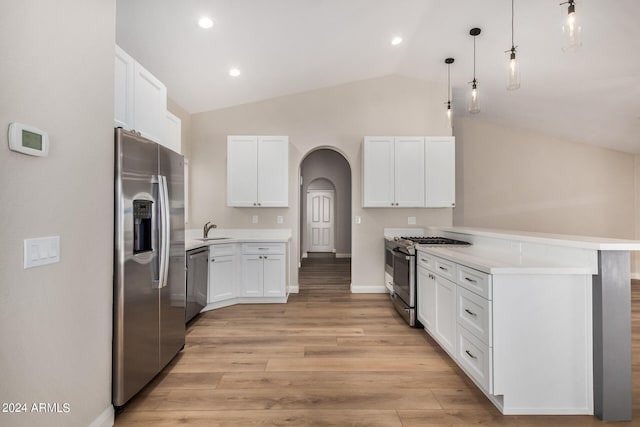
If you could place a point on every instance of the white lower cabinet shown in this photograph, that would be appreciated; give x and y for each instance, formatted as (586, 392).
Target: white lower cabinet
(524, 339)
(475, 357)
(445, 318)
(426, 298)
(437, 301)
(263, 270)
(222, 273)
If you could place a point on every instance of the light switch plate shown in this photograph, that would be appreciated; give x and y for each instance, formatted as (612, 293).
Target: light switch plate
(279, 219)
(254, 219)
(358, 219)
(41, 251)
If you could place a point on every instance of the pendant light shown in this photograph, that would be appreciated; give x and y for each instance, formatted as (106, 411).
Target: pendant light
(513, 82)
(474, 101)
(570, 28)
(449, 61)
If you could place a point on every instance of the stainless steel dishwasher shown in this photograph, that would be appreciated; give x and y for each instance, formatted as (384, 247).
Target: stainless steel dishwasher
(197, 281)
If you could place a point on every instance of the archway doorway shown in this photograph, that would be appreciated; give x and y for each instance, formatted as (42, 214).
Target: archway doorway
(325, 222)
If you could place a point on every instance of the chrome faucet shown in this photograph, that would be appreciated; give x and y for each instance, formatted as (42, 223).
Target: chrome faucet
(207, 227)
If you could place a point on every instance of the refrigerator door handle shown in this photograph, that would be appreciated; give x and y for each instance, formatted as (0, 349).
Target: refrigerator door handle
(163, 232)
(166, 231)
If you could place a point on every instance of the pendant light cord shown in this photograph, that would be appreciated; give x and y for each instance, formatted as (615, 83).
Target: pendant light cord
(474, 59)
(449, 83)
(512, 43)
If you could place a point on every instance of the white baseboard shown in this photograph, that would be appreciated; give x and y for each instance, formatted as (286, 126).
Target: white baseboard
(375, 289)
(105, 419)
(343, 255)
(294, 289)
(635, 276)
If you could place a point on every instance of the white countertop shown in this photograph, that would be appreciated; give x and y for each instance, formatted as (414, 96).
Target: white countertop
(493, 263)
(584, 242)
(236, 235)
(521, 252)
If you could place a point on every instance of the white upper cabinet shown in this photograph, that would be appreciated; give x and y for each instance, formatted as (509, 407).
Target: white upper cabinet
(257, 171)
(173, 132)
(140, 99)
(378, 167)
(123, 96)
(440, 171)
(410, 172)
(409, 166)
(391, 165)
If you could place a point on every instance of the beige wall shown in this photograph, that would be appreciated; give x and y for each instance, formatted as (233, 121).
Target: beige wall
(635, 264)
(511, 179)
(337, 117)
(56, 73)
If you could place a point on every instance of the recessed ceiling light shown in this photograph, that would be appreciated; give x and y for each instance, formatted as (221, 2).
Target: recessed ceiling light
(205, 22)
(396, 40)
(234, 72)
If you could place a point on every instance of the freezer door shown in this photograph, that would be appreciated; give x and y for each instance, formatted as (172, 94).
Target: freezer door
(172, 295)
(135, 308)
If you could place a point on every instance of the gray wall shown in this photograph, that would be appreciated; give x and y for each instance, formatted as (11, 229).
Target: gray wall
(56, 73)
(332, 166)
(513, 179)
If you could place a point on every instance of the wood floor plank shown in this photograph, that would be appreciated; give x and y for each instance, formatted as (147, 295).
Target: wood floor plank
(258, 418)
(346, 364)
(339, 380)
(287, 398)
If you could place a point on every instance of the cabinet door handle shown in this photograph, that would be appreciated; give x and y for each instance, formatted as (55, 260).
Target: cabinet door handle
(470, 280)
(265, 257)
(470, 354)
(424, 260)
(443, 268)
(213, 260)
(471, 313)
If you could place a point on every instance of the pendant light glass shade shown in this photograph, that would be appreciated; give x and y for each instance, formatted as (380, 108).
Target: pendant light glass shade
(474, 99)
(513, 81)
(571, 39)
(514, 71)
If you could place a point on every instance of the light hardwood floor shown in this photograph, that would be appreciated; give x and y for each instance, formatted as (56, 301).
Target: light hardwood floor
(326, 358)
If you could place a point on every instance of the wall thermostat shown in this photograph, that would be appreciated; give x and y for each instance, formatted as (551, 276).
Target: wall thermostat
(28, 140)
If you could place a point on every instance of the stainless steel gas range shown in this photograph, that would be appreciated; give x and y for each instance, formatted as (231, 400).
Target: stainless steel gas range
(400, 264)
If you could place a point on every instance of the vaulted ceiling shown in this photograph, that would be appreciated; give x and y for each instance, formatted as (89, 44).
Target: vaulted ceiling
(289, 46)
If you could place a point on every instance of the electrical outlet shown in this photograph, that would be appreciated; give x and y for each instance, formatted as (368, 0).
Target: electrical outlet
(279, 219)
(411, 220)
(358, 219)
(254, 219)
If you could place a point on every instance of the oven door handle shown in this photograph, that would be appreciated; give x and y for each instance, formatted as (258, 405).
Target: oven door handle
(400, 250)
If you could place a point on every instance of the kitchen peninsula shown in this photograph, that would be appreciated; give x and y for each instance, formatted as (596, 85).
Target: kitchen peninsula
(540, 322)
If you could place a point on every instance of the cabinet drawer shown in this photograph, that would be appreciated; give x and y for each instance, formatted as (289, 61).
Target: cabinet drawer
(222, 249)
(475, 281)
(475, 357)
(474, 313)
(263, 248)
(445, 268)
(425, 260)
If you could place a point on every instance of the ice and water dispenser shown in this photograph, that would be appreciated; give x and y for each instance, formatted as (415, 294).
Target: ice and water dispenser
(142, 230)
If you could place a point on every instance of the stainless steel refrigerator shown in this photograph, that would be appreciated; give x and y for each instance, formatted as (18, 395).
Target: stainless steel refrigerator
(149, 262)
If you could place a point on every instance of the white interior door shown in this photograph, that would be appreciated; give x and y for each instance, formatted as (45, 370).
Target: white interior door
(320, 221)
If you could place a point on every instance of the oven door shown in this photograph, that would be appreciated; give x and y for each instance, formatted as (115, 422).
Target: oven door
(403, 276)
